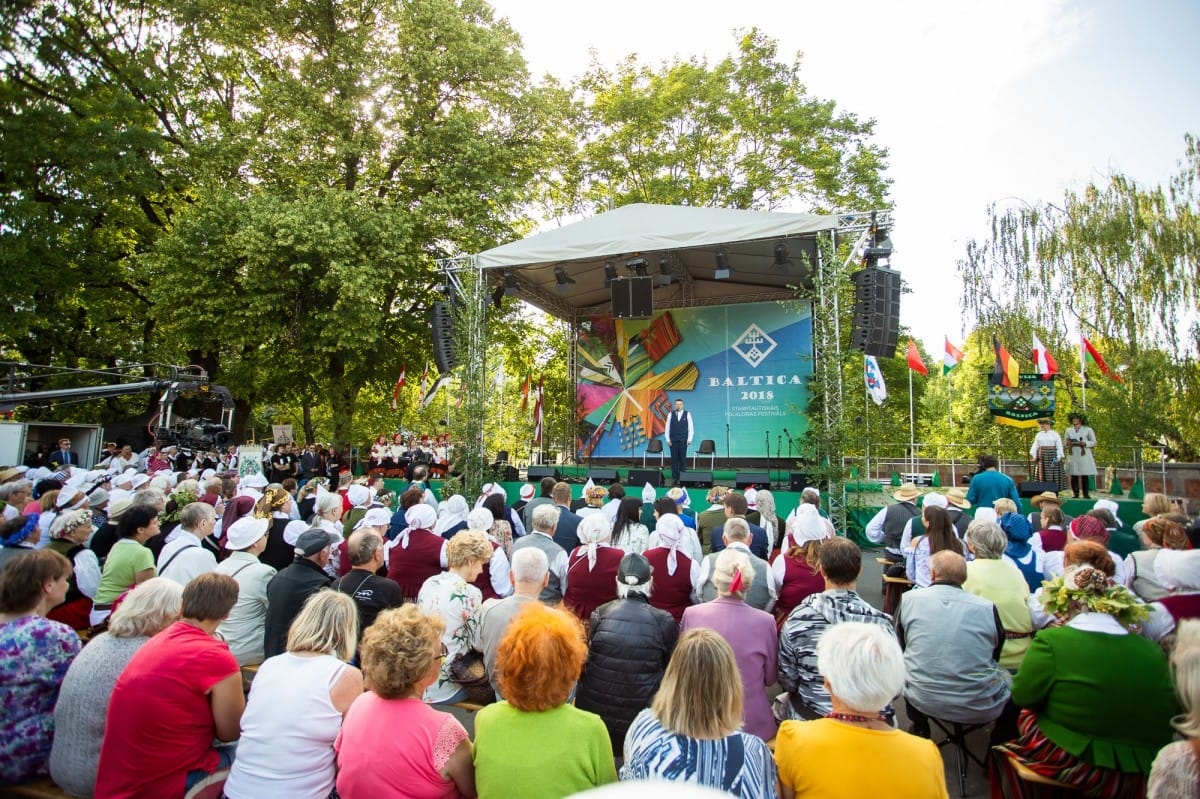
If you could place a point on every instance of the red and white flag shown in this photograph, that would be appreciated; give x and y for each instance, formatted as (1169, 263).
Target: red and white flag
(1043, 361)
(399, 385)
(538, 411)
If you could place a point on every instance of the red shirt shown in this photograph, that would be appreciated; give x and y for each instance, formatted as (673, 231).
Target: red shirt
(412, 566)
(588, 590)
(799, 582)
(672, 592)
(160, 724)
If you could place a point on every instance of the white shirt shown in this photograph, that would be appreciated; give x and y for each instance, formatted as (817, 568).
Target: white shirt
(243, 629)
(1048, 438)
(498, 570)
(192, 559)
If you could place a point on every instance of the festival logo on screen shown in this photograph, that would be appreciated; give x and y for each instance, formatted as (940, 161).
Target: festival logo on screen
(741, 370)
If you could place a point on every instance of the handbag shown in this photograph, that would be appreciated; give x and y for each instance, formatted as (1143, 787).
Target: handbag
(468, 670)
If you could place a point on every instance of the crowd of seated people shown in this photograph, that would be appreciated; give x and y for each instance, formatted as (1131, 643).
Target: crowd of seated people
(621, 658)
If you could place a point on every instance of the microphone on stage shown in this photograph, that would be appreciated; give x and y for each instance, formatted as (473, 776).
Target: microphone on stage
(786, 433)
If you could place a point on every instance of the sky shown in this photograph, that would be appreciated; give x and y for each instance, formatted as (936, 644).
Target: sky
(976, 102)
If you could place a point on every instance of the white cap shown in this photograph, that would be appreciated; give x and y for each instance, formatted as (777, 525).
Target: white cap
(374, 517)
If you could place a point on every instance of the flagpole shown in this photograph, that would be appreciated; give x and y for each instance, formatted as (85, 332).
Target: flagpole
(912, 435)
(950, 424)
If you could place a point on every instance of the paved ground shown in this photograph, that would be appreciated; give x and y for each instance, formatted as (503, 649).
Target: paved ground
(870, 588)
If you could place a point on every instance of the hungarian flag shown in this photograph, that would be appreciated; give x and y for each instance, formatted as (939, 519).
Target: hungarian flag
(525, 392)
(952, 357)
(1043, 361)
(1090, 354)
(399, 385)
(1006, 370)
(914, 359)
(538, 412)
(876, 388)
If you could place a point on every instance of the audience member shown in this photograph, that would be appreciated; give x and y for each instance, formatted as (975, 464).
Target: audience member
(691, 733)
(1175, 773)
(82, 707)
(990, 484)
(1028, 560)
(296, 704)
(180, 691)
(761, 593)
(68, 537)
(567, 526)
(689, 542)
(291, 587)
(36, 655)
(677, 586)
(183, 556)
(854, 750)
(736, 507)
(371, 593)
(799, 674)
(418, 553)
(245, 626)
(995, 580)
(796, 571)
(629, 534)
(275, 506)
(939, 536)
(751, 634)
(1157, 534)
(451, 597)
(129, 562)
(629, 645)
(529, 575)
(592, 568)
(19, 535)
(544, 519)
(887, 526)
(392, 743)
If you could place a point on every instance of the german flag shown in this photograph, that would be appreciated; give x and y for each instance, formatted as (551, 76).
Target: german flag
(1006, 371)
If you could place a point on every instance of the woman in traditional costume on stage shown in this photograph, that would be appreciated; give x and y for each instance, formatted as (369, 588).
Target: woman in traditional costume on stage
(1047, 453)
(1080, 440)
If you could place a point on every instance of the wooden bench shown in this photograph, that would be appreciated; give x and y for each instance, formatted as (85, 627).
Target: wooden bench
(1048, 788)
(470, 707)
(40, 788)
(893, 589)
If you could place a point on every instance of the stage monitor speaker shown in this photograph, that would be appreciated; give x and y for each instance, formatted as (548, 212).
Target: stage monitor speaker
(696, 479)
(1033, 488)
(799, 481)
(639, 477)
(745, 480)
(602, 477)
(445, 356)
(633, 298)
(535, 473)
(876, 328)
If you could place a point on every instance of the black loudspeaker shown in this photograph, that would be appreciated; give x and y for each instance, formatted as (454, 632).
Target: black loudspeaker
(696, 480)
(799, 481)
(633, 298)
(534, 474)
(876, 311)
(639, 477)
(1032, 489)
(745, 480)
(602, 477)
(442, 322)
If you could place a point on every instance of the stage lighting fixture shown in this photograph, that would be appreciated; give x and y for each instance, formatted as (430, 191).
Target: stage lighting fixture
(511, 289)
(664, 270)
(722, 272)
(637, 266)
(562, 280)
(610, 273)
(781, 262)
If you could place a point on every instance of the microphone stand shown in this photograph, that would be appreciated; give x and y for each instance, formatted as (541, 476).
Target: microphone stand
(769, 464)
(727, 445)
(778, 451)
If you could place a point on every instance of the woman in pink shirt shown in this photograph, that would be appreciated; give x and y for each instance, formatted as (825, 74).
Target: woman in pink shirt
(391, 742)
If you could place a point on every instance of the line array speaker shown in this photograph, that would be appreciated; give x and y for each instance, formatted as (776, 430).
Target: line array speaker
(876, 311)
(445, 356)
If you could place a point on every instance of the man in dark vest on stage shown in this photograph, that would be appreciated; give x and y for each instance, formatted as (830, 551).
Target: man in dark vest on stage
(679, 437)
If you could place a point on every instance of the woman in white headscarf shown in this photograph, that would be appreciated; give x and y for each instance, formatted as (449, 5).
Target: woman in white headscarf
(676, 573)
(418, 553)
(592, 568)
(795, 571)
(452, 516)
(493, 581)
(690, 545)
(768, 520)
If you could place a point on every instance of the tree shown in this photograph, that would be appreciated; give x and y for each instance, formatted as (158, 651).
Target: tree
(1120, 263)
(743, 133)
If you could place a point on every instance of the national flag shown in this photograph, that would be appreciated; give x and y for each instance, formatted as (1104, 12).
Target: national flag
(875, 385)
(1091, 354)
(424, 381)
(525, 392)
(538, 411)
(951, 358)
(1043, 361)
(428, 398)
(1006, 371)
(399, 385)
(914, 359)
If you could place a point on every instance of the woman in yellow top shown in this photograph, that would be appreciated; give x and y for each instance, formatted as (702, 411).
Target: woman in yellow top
(863, 669)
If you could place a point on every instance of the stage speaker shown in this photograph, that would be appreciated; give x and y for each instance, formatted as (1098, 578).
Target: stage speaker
(1032, 488)
(876, 328)
(799, 481)
(744, 480)
(602, 477)
(534, 474)
(639, 477)
(696, 480)
(633, 298)
(505, 473)
(445, 357)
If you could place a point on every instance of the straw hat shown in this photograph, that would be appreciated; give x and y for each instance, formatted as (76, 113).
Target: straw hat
(957, 496)
(1045, 496)
(907, 492)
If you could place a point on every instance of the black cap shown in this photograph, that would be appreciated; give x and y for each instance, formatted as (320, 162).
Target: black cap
(311, 541)
(634, 570)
